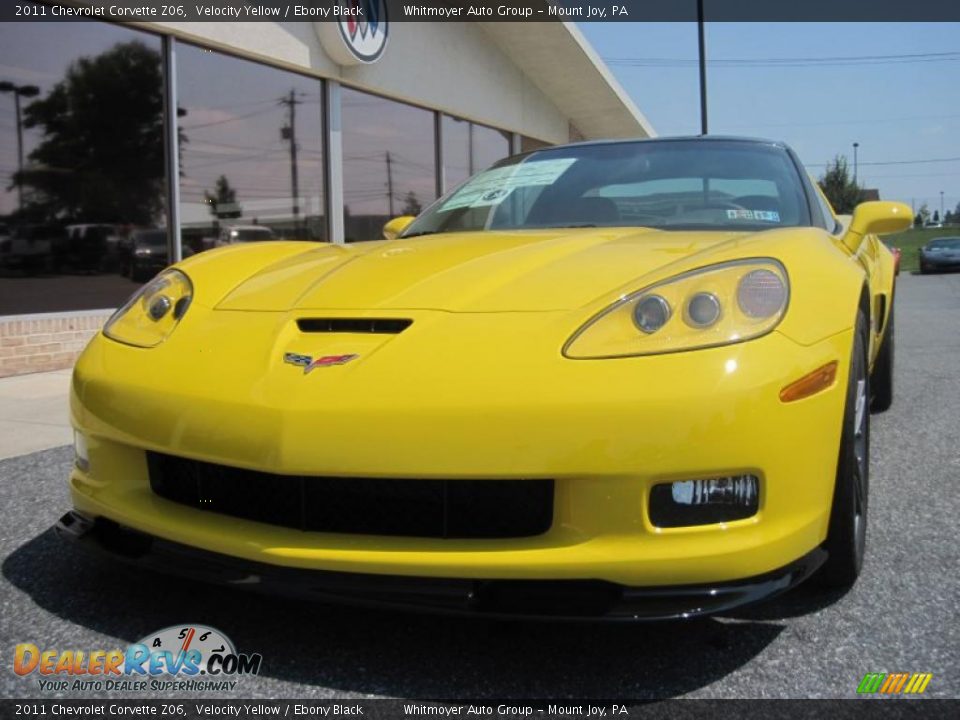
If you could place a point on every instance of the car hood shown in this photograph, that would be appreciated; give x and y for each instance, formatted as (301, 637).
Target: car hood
(530, 270)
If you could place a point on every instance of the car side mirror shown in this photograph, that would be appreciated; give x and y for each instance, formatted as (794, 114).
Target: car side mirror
(876, 218)
(392, 229)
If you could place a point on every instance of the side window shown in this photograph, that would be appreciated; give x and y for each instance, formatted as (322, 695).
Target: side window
(830, 221)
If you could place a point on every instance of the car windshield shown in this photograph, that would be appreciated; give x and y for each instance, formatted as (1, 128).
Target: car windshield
(671, 185)
(946, 244)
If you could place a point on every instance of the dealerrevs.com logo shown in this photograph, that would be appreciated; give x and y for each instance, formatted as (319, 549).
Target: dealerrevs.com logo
(180, 657)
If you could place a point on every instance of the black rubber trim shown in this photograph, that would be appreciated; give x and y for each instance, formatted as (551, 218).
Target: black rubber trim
(543, 599)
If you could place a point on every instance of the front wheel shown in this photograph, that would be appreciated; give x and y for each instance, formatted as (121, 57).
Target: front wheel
(847, 536)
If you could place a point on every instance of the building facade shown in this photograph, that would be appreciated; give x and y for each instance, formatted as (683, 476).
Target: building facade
(126, 147)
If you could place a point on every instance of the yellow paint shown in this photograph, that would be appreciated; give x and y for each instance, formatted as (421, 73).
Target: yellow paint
(478, 387)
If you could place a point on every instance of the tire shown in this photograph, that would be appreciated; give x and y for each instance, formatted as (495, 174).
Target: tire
(924, 269)
(847, 535)
(881, 380)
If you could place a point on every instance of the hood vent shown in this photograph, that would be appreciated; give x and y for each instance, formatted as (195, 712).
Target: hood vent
(375, 326)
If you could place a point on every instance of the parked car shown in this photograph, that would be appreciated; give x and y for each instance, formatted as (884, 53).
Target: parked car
(148, 253)
(34, 248)
(91, 247)
(940, 254)
(231, 234)
(624, 379)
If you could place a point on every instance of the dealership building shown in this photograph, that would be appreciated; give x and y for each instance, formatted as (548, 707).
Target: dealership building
(126, 147)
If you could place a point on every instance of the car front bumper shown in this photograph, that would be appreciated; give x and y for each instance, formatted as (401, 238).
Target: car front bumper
(605, 431)
(939, 262)
(546, 599)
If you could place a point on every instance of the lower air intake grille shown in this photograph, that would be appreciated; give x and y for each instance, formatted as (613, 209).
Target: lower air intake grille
(364, 506)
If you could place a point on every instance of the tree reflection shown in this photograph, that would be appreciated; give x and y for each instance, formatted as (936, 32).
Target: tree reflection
(101, 154)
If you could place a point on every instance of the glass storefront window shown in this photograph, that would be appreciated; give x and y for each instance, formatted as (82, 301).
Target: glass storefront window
(389, 162)
(82, 176)
(469, 148)
(251, 152)
(489, 145)
(81, 162)
(456, 151)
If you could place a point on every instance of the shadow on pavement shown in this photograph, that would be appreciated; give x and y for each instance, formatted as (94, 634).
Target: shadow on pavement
(387, 653)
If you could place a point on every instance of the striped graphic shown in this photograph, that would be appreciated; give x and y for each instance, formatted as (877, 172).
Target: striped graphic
(894, 683)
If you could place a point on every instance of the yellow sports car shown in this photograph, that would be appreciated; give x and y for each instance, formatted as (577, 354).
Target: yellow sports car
(625, 379)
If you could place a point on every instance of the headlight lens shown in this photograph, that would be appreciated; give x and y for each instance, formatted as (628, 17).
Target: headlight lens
(153, 312)
(715, 305)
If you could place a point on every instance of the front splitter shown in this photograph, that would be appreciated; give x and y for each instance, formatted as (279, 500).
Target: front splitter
(499, 598)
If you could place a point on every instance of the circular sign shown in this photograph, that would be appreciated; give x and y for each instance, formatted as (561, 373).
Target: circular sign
(358, 34)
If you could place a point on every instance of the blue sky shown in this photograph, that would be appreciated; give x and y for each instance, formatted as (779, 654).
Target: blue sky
(896, 111)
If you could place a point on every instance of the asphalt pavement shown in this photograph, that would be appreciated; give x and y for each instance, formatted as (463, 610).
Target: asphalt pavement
(902, 616)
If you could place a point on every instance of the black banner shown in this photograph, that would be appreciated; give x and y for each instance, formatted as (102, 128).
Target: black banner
(482, 10)
(479, 709)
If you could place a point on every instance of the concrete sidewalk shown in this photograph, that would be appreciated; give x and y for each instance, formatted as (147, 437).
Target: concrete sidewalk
(34, 412)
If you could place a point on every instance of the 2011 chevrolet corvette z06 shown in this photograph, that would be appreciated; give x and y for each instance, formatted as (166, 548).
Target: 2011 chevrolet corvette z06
(623, 379)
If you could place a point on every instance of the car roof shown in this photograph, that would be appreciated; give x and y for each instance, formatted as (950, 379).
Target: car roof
(674, 138)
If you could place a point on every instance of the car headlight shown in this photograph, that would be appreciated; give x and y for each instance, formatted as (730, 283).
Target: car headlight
(715, 305)
(153, 312)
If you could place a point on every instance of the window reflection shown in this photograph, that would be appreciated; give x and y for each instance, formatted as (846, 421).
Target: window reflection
(469, 148)
(489, 145)
(81, 162)
(251, 151)
(389, 162)
(456, 151)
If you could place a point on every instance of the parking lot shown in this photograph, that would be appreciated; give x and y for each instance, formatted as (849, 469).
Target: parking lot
(902, 616)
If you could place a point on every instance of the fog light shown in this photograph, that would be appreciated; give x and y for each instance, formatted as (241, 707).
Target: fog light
(80, 457)
(703, 502)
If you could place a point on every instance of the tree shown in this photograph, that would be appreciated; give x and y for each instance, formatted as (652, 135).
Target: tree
(918, 220)
(936, 216)
(841, 190)
(101, 155)
(222, 202)
(411, 204)
(923, 216)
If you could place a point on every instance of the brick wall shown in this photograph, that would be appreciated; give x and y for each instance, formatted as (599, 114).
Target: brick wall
(37, 343)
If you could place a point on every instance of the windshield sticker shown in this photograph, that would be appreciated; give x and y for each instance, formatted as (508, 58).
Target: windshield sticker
(764, 215)
(494, 186)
